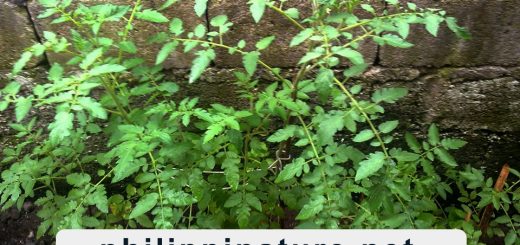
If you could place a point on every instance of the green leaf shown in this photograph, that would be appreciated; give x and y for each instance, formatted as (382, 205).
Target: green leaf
(254, 202)
(200, 31)
(389, 95)
(3, 105)
(233, 200)
(364, 135)
(18, 127)
(510, 238)
(126, 165)
(433, 135)
(21, 63)
(78, 179)
(392, 40)
(355, 70)
(200, 7)
(128, 46)
(264, 42)
(152, 16)
(99, 198)
(91, 58)
(283, 134)
(165, 52)
(354, 56)
(107, 68)
(314, 54)
(328, 128)
(403, 29)
(461, 32)
(312, 208)
(219, 20)
(388, 127)
(56, 72)
(453, 144)
(176, 26)
(395, 221)
(290, 170)
(445, 157)
(393, 2)
(368, 8)
(301, 37)
(432, 22)
(169, 87)
(93, 107)
(370, 166)
(145, 204)
(167, 4)
(293, 13)
(257, 9)
(61, 126)
(404, 156)
(412, 142)
(250, 61)
(12, 88)
(204, 58)
(213, 130)
(23, 106)
(231, 170)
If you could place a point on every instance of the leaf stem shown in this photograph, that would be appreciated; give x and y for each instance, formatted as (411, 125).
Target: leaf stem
(365, 115)
(238, 50)
(154, 165)
(292, 20)
(128, 27)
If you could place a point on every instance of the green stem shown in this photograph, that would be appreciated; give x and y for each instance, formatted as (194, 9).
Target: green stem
(346, 28)
(118, 103)
(365, 115)
(293, 21)
(128, 27)
(510, 220)
(154, 165)
(95, 186)
(406, 211)
(317, 156)
(237, 50)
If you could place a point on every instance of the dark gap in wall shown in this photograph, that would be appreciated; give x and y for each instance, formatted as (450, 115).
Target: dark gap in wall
(208, 27)
(45, 60)
(377, 60)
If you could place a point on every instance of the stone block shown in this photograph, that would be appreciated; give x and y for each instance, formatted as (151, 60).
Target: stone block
(476, 105)
(17, 33)
(494, 26)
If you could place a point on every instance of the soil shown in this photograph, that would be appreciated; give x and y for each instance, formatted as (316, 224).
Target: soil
(19, 227)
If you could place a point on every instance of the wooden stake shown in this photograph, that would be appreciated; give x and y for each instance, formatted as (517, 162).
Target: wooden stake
(499, 186)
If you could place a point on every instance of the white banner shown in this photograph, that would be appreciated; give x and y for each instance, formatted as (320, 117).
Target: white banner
(261, 237)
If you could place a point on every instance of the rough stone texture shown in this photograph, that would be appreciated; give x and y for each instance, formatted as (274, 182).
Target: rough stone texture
(485, 104)
(142, 30)
(381, 74)
(474, 73)
(494, 27)
(16, 34)
(515, 72)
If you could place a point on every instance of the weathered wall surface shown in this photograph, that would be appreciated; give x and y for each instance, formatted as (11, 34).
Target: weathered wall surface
(470, 88)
